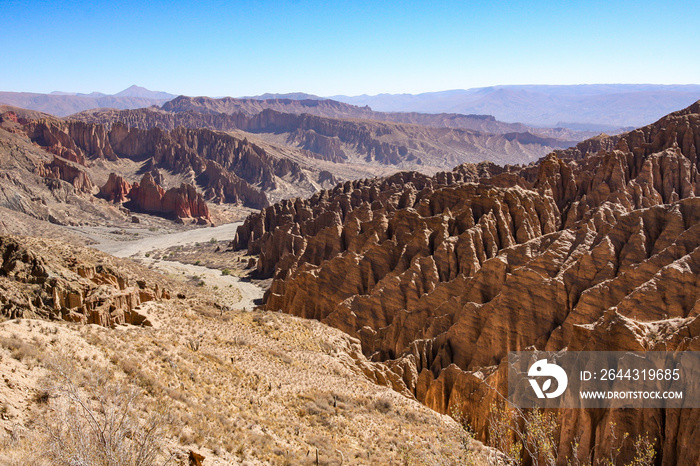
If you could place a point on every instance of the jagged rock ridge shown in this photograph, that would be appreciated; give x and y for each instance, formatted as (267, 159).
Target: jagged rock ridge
(229, 169)
(334, 109)
(52, 280)
(148, 196)
(62, 169)
(69, 158)
(38, 184)
(440, 277)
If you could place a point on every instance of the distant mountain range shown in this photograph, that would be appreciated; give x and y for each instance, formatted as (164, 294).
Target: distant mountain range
(333, 109)
(66, 103)
(606, 108)
(290, 95)
(594, 107)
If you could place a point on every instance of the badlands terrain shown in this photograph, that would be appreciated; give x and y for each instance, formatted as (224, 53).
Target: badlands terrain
(302, 281)
(591, 248)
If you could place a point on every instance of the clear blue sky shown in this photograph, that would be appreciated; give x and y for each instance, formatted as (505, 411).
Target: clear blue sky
(343, 47)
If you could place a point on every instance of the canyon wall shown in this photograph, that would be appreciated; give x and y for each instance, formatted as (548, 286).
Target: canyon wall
(345, 138)
(148, 196)
(228, 169)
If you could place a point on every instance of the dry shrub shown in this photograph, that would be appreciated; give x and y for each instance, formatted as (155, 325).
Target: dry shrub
(383, 405)
(282, 356)
(531, 437)
(96, 420)
(21, 350)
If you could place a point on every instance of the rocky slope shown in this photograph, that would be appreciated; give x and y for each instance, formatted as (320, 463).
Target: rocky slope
(39, 184)
(59, 165)
(62, 169)
(441, 277)
(226, 167)
(43, 278)
(350, 140)
(229, 169)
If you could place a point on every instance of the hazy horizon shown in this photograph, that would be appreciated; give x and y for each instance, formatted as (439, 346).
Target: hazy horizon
(438, 91)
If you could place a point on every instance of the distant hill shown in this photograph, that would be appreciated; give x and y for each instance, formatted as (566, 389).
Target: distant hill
(253, 106)
(592, 107)
(290, 95)
(335, 132)
(64, 103)
(335, 109)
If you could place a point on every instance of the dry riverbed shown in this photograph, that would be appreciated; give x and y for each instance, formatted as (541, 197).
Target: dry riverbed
(160, 250)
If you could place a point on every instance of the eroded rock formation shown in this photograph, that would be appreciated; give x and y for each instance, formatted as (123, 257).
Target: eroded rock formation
(342, 139)
(441, 277)
(116, 189)
(335, 109)
(223, 165)
(148, 196)
(49, 279)
(71, 172)
(73, 140)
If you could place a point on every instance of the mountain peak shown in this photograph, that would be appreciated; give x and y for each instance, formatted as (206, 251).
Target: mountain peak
(138, 91)
(133, 88)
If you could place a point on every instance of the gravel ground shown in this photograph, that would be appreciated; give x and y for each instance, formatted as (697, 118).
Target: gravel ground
(230, 291)
(147, 241)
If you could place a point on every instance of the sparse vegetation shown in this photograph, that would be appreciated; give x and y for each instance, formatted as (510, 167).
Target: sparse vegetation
(233, 383)
(246, 386)
(21, 350)
(383, 405)
(532, 435)
(96, 420)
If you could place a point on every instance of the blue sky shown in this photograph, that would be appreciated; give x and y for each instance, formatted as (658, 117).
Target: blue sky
(250, 47)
